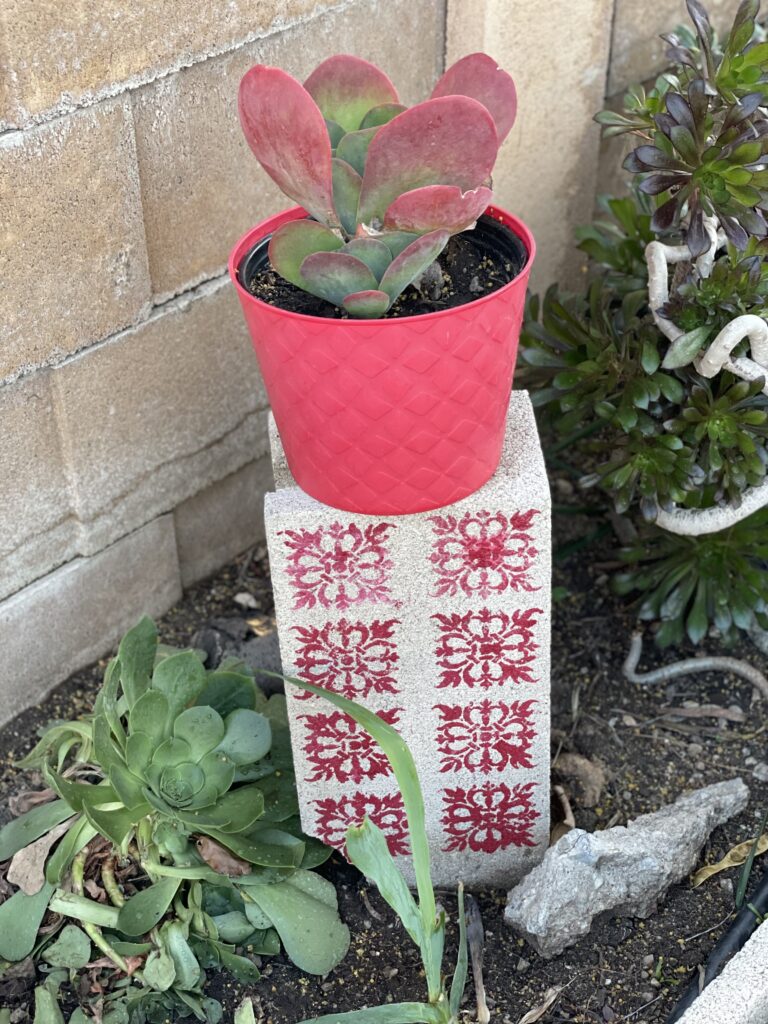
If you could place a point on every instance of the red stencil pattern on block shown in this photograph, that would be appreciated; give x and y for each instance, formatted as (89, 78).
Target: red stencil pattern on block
(483, 552)
(489, 817)
(335, 816)
(486, 736)
(486, 649)
(339, 565)
(338, 748)
(350, 658)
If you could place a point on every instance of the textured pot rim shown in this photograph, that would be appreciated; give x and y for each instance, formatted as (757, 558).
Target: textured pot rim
(265, 227)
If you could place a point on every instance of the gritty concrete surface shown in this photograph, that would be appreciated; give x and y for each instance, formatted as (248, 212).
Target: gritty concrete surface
(740, 994)
(559, 62)
(77, 613)
(157, 413)
(221, 521)
(624, 870)
(73, 257)
(440, 623)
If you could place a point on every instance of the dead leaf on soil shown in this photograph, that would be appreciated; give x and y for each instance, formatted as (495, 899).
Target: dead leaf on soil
(733, 859)
(27, 868)
(732, 714)
(220, 858)
(550, 998)
(587, 776)
(29, 798)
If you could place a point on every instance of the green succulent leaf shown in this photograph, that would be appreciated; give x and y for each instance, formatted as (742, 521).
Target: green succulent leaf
(269, 848)
(226, 690)
(47, 1009)
(202, 728)
(159, 970)
(143, 911)
(247, 737)
(71, 949)
(20, 919)
(240, 967)
(234, 812)
(686, 348)
(148, 717)
(180, 678)
(78, 836)
(30, 826)
(304, 912)
(136, 659)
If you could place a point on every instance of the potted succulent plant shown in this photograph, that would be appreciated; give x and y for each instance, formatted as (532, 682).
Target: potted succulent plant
(385, 329)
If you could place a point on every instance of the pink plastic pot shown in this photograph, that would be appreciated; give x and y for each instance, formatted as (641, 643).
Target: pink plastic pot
(389, 417)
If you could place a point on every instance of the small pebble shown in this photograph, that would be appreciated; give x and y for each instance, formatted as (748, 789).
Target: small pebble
(648, 960)
(523, 964)
(760, 771)
(695, 749)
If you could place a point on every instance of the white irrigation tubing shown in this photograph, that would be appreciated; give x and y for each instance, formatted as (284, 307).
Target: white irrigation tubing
(658, 257)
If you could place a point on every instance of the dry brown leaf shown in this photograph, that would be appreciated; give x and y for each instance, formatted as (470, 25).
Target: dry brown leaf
(29, 798)
(550, 998)
(733, 859)
(587, 776)
(220, 858)
(706, 711)
(27, 869)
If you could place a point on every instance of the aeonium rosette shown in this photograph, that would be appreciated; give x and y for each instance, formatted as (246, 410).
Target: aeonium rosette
(385, 185)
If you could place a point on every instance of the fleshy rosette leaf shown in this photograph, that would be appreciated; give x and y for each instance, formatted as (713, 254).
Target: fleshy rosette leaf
(375, 177)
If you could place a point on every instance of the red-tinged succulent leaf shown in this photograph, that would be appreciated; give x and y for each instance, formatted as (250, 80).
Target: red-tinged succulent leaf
(345, 88)
(480, 77)
(354, 147)
(413, 261)
(396, 241)
(436, 206)
(383, 114)
(334, 275)
(288, 136)
(367, 305)
(293, 242)
(335, 133)
(346, 193)
(446, 141)
(373, 252)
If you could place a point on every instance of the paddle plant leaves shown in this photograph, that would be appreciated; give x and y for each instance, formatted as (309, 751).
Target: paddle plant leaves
(346, 193)
(377, 116)
(367, 305)
(436, 206)
(287, 133)
(345, 88)
(334, 275)
(293, 242)
(373, 252)
(450, 140)
(412, 262)
(479, 76)
(353, 148)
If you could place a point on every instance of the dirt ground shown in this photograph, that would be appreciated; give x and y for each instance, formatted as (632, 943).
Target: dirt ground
(626, 969)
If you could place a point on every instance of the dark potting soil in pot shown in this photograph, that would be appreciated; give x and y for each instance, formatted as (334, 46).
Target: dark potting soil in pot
(473, 264)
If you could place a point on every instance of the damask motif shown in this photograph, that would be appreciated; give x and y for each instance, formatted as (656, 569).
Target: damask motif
(340, 749)
(486, 736)
(489, 817)
(483, 552)
(339, 565)
(335, 816)
(486, 649)
(350, 658)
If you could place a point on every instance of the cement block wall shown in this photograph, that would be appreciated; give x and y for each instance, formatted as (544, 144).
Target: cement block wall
(132, 416)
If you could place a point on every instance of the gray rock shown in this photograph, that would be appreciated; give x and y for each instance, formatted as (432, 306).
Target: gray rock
(226, 638)
(624, 870)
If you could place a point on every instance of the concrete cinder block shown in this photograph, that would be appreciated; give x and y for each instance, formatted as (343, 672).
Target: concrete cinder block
(37, 529)
(77, 613)
(222, 521)
(439, 622)
(552, 190)
(159, 412)
(637, 51)
(72, 251)
(70, 54)
(201, 186)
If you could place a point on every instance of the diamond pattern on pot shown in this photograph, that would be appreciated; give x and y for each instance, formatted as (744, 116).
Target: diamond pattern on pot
(350, 397)
(485, 737)
(355, 659)
(340, 565)
(335, 815)
(483, 552)
(339, 749)
(485, 649)
(489, 817)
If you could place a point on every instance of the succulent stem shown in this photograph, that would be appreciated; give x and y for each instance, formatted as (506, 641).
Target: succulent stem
(110, 882)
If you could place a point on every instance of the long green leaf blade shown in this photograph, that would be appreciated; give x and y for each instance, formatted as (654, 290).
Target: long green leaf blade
(143, 911)
(20, 918)
(392, 1013)
(460, 974)
(30, 826)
